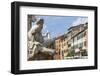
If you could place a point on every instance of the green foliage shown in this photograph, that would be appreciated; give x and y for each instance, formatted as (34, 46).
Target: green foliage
(71, 53)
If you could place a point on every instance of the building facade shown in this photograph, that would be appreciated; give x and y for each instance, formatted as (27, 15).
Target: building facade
(61, 46)
(75, 41)
(80, 43)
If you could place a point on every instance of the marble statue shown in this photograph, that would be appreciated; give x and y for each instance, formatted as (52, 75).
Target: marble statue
(36, 40)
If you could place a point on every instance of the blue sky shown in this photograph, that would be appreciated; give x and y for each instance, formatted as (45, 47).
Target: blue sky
(57, 25)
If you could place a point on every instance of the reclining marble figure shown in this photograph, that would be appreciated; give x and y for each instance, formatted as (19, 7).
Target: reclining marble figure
(35, 40)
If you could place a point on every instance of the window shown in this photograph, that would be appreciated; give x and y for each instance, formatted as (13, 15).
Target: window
(80, 36)
(76, 46)
(85, 33)
(75, 39)
(62, 54)
(59, 45)
(81, 45)
(69, 45)
(59, 52)
(62, 45)
(84, 43)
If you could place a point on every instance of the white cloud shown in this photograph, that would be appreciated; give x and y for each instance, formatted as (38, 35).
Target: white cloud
(80, 21)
